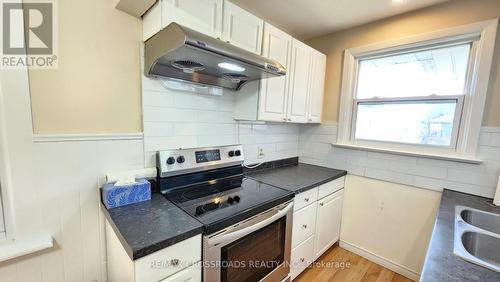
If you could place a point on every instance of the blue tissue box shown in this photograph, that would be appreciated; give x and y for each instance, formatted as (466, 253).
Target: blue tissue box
(117, 196)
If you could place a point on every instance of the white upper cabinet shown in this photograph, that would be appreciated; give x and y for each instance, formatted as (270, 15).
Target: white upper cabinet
(299, 82)
(242, 29)
(273, 91)
(151, 21)
(204, 16)
(318, 69)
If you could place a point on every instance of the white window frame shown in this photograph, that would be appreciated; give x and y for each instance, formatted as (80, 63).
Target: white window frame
(482, 35)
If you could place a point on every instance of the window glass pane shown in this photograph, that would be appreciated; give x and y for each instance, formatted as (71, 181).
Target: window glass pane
(420, 122)
(440, 71)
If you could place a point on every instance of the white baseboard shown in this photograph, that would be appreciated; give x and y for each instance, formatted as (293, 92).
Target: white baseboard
(40, 138)
(400, 269)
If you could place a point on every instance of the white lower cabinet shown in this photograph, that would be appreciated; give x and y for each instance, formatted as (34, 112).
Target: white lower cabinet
(178, 262)
(304, 224)
(302, 256)
(316, 223)
(328, 222)
(190, 274)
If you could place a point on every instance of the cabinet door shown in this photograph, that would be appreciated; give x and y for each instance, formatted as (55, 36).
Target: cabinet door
(190, 274)
(204, 16)
(273, 91)
(328, 222)
(299, 82)
(242, 29)
(317, 87)
(301, 257)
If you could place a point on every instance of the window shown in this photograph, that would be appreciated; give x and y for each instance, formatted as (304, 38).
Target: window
(420, 95)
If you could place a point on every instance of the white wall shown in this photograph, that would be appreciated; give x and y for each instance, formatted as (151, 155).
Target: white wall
(175, 119)
(315, 147)
(389, 223)
(66, 184)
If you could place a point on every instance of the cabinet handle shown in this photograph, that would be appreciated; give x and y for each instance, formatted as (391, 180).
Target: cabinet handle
(174, 262)
(284, 119)
(289, 119)
(302, 259)
(228, 42)
(304, 225)
(306, 199)
(310, 119)
(321, 204)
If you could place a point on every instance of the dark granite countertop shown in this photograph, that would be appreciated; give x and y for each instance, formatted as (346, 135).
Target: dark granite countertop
(297, 177)
(147, 227)
(441, 264)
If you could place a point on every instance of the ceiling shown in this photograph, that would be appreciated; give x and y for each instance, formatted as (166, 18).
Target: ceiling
(311, 18)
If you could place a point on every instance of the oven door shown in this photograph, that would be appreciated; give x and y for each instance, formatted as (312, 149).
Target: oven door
(257, 249)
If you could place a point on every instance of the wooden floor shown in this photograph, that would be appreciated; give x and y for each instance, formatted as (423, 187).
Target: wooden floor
(360, 269)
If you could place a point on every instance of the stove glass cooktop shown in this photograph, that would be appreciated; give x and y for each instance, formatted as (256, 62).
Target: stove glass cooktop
(221, 203)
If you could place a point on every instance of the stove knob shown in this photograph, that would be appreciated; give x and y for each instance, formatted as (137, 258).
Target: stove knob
(230, 200)
(236, 199)
(180, 159)
(171, 160)
(237, 153)
(231, 154)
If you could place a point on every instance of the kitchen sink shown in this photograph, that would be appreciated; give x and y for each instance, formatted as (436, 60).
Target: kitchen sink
(481, 219)
(477, 237)
(483, 247)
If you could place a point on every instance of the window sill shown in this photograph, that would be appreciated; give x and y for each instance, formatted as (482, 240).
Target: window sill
(411, 154)
(24, 246)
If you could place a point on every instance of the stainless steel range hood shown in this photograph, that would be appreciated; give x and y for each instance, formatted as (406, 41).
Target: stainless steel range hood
(181, 53)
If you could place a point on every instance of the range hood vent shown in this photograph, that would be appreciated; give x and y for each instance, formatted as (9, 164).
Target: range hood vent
(181, 53)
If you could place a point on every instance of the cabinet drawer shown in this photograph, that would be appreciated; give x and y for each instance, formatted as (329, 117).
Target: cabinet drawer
(331, 187)
(304, 224)
(301, 257)
(305, 198)
(168, 261)
(190, 274)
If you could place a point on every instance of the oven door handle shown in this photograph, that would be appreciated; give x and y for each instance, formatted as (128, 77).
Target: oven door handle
(227, 238)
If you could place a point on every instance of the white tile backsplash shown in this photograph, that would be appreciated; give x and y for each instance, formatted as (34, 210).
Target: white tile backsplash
(175, 119)
(315, 148)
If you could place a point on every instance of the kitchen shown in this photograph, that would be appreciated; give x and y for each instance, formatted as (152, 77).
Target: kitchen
(310, 163)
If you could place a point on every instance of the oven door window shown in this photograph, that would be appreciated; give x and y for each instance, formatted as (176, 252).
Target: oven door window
(256, 255)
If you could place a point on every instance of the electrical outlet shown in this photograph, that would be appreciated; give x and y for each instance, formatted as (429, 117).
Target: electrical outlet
(260, 153)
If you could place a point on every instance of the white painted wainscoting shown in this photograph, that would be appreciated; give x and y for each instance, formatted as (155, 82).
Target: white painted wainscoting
(66, 183)
(175, 119)
(315, 148)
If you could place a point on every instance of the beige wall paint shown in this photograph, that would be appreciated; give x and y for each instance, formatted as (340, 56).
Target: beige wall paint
(97, 87)
(391, 220)
(453, 13)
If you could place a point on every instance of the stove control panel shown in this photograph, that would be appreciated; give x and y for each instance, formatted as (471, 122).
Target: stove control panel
(182, 161)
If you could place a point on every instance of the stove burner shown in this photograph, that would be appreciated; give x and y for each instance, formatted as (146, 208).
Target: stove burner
(217, 203)
(207, 207)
